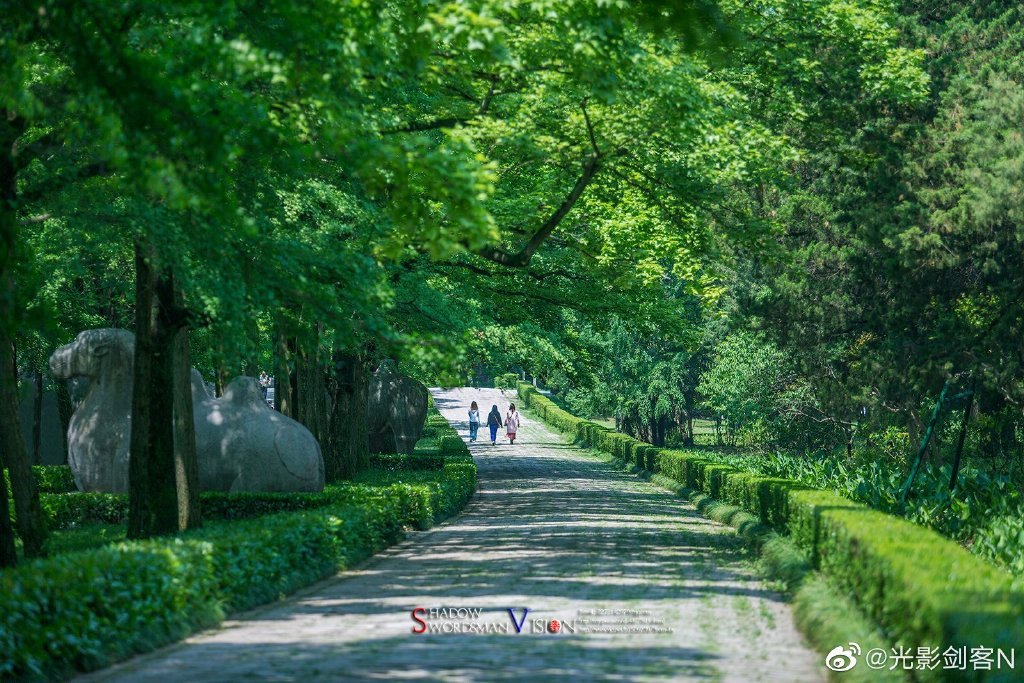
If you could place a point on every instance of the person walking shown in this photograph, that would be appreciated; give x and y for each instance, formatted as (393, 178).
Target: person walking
(512, 423)
(493, 422)
(264, 382)
(474, 421)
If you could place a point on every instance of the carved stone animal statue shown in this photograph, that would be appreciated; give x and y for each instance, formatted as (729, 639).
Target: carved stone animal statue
(396, 411)
(244, 445)
(100, 429)
(241, 444)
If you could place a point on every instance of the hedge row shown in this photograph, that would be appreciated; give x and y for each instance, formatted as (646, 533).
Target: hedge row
(70, 510)
(923, 589)
(80, 611)
(415, 461)
(447, 438)
(84, 610)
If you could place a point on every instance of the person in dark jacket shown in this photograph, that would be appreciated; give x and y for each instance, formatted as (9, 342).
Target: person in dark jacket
(493, 422)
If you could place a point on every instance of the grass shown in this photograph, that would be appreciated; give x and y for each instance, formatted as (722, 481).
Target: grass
(828, 618)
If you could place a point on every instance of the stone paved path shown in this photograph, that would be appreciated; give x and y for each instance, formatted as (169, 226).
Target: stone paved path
(550, 530)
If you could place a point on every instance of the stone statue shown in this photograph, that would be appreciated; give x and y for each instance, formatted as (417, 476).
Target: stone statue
(396, 412)
(241, 444)
(245, 445)
(100, 428)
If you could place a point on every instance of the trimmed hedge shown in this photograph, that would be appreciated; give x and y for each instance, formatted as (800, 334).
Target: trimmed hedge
(80, 611)
(84, 610)
(923, 589)
(69, 510)
(399, 462)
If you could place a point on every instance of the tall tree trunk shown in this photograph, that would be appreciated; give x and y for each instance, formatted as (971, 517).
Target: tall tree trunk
(8, 555)
(30, 520)
(349, 441)
(31, 523)
(64, 410)
(688, 437)
(186, 463)
(283, 399)
(152, 487)
(311, 394)
(250, 366)
(37, 417)
(223, 379)
(916, 429)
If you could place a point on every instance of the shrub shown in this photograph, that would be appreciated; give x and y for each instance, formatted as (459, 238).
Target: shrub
(54, 478)
(401, 462)
(70, 510)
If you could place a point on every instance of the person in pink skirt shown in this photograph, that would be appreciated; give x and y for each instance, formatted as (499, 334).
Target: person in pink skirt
(512, 422)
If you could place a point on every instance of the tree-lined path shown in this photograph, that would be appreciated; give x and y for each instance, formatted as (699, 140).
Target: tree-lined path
(551, 530)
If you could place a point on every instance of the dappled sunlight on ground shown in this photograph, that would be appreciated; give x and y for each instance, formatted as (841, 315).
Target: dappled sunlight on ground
(551, 530)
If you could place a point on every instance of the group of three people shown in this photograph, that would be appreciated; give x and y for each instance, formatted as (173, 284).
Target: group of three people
(494, 421)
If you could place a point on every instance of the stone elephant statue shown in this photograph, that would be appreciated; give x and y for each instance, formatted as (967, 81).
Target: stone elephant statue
(396, 412)
(241, 444)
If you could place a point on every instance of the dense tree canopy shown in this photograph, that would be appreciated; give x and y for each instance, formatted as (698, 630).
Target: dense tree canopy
(797, 219)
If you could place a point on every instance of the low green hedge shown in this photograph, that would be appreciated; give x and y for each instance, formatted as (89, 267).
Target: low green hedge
(70, 510)
(84, 610)
(449, 443)
(79, 611)
(924, 590)
(414, 461)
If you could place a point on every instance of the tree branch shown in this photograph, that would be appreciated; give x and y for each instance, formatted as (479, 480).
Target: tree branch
(521, 259)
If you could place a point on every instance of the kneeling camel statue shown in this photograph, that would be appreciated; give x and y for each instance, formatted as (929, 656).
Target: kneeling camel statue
(241, 443)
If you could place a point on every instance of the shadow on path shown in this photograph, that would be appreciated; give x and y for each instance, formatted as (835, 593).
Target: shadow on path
(549, 530)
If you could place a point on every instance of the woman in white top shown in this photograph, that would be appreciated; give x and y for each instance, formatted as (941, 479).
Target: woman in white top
(474, 421)
(512, 423)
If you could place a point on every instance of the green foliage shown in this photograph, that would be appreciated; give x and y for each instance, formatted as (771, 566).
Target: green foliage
(895, 260)
(829, 618)
(757, 389)
(402, 463)
(84, 537)
(54, 478)
(982, 513)
(69, 510)
(506, 381)
(49, 478)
